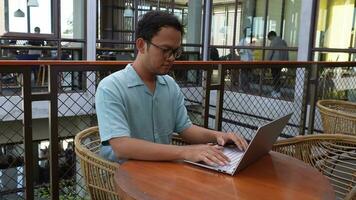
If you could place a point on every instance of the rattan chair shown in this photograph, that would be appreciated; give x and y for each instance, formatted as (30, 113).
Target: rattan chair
(338, 116)
(177, 140)
(98, 172)
(332, 154)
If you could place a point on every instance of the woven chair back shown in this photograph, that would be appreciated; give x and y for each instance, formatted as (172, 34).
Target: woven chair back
(334, 155)
(338, 116)
(98, 173)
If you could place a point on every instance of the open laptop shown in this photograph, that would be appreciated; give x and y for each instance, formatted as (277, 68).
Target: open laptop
(259, 146)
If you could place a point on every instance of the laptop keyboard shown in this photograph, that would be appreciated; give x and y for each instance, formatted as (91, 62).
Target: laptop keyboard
(235, 156)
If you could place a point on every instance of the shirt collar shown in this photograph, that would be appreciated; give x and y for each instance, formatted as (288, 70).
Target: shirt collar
(135, 80)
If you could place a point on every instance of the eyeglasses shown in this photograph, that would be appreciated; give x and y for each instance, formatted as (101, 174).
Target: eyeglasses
(168, 52)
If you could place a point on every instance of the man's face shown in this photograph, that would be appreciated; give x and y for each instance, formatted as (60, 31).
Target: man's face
(160, 51)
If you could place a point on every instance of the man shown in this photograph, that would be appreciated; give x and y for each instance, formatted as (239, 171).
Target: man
(35, 54)
(234, 73)
(277, 54)
(245, 55)
(214, 54)
(139, 107)
(37, 30)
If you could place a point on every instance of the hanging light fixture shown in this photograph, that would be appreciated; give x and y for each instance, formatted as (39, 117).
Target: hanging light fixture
(32, 3)
(128, 12)
(19, 13)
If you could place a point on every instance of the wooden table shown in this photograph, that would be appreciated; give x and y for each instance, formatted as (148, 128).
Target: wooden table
(275, 176)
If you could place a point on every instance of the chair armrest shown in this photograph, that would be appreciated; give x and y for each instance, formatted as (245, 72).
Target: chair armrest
(351, 195)
(177, 140)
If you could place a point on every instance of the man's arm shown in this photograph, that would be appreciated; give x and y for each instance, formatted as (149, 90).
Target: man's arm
(126, 147)
(131, 148)
(199, 135)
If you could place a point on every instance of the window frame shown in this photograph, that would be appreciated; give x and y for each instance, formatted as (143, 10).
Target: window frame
(55, 23)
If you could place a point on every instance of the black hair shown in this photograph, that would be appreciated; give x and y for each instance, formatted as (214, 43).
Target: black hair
(37, 28)
(271, 34)
(152, 22)
(214, 53)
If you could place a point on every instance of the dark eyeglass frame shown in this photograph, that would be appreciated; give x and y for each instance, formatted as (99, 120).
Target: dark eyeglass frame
(168, 52)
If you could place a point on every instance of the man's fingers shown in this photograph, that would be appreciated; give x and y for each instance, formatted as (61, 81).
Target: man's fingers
(243, 142)
(238, 144)
(218, 147)
(218, 152)
(220, 141)
(217, 157)
(238, 140)
(209, 162)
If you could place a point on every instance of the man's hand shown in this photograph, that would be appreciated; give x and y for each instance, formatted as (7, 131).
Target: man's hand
(223, 138)
(208, 153)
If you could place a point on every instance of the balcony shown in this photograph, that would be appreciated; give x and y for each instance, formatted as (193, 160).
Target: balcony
(39, 119)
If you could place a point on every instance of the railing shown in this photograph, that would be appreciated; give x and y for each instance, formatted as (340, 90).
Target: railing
(238, 95)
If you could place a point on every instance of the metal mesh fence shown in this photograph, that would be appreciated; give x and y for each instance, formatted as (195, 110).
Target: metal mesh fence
(190, 82)
(76, 111)
(337, 83)
(253, 97)
(11, 137)
(250, 100)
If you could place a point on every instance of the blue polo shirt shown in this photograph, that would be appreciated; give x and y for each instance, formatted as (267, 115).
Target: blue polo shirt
(126, 107)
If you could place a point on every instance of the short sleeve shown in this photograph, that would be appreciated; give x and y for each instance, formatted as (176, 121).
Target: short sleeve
(111, 113)
(182, 119)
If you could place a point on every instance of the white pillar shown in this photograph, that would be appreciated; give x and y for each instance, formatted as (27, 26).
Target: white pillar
(91, 30)
(194, 31)
(303, 50)
(78, 19)
(304, 29)
(78, 26)
(194, 23)
(208, 8)
(91, 46)
(2, 18)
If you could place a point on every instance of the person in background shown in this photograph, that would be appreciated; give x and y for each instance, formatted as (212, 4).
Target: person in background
(35, 54)
(35, 43)
(274, 55)
(140, 107)
(214, 54)
(245, 55)
(234, 73)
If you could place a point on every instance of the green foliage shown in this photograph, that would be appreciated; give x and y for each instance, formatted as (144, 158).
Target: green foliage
(68, 191)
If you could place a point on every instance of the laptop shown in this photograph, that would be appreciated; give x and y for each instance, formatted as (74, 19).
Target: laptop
(259, 146)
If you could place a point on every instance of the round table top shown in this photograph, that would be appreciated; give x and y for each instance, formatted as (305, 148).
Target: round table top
(275, 176)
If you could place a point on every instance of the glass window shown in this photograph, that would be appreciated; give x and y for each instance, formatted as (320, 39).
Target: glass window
(283, 18)
(72, 23)
(21, 17)
(291, 22)
(335, 28)
(16, 16)
(258, 22)
(274, 18)
(72, 51)
(223, 18)
(41, 17)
